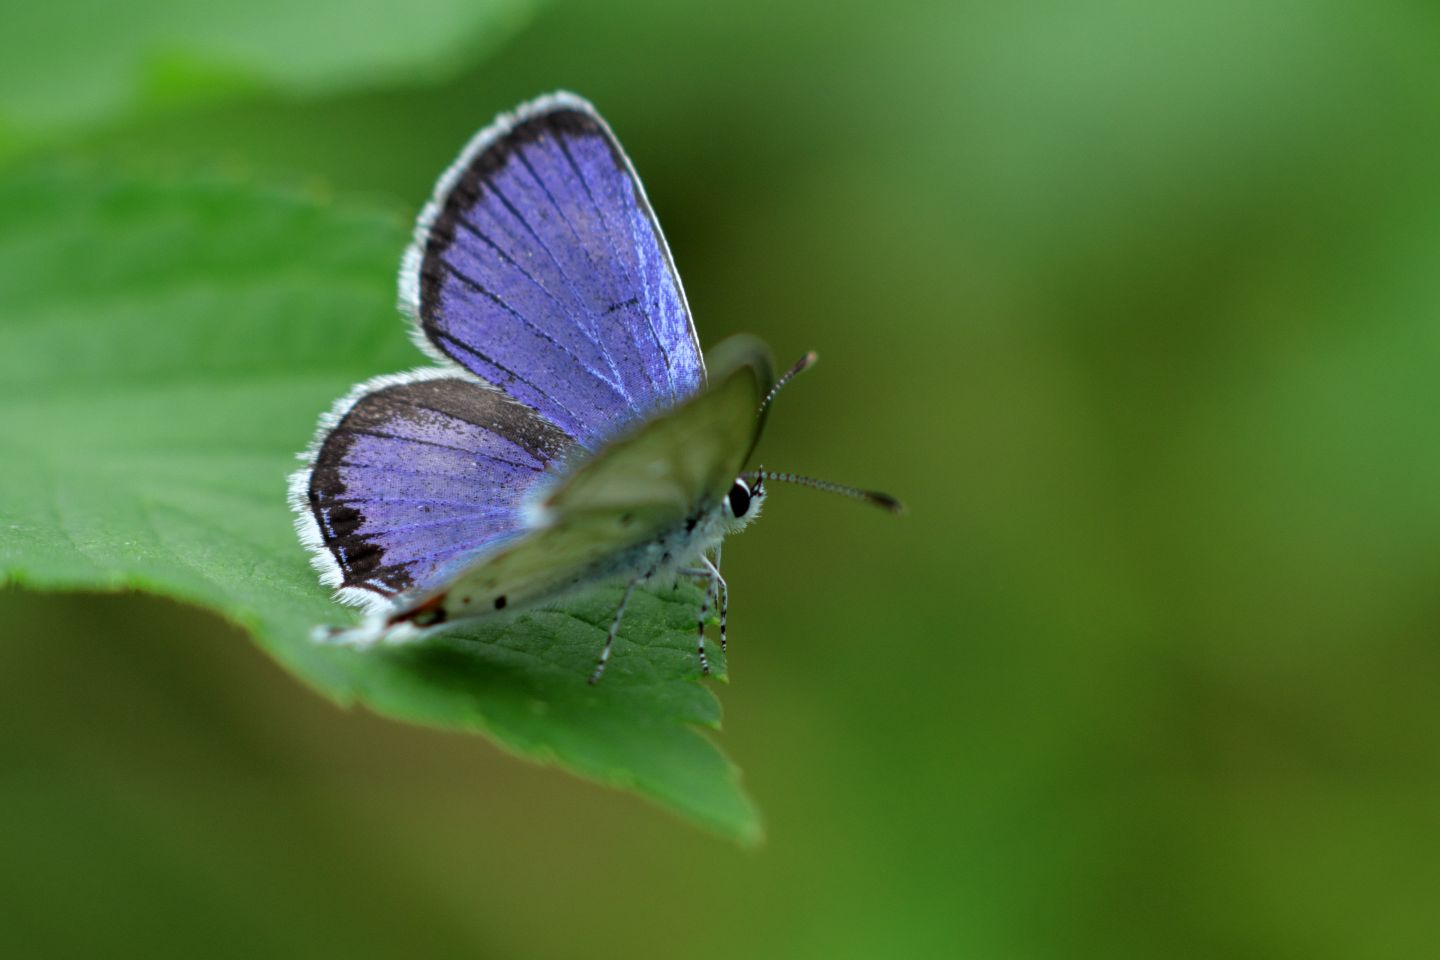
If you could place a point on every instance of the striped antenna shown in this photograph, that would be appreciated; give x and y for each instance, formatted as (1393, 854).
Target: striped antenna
(806, 361)
(882, 500)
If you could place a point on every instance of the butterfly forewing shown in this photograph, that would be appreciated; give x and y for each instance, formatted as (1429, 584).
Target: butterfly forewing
(540, 267)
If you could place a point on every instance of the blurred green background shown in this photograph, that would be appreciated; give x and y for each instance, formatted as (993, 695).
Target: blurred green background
(1137, 305)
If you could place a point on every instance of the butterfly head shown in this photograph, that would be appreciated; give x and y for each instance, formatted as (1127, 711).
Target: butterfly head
(742, 504)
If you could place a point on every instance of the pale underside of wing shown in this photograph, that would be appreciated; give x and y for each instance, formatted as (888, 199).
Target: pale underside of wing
(680, 460)
(540, 267)
(599, 515)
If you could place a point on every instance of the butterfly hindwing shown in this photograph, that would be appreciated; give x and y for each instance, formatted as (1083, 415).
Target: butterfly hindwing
(540, 268)
(410, 473)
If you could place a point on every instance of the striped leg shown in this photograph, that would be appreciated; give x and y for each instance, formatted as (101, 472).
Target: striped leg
(712, 599)
(702, 613)
(724, 613)
(700, 632)
(724, 591)
(615, 628)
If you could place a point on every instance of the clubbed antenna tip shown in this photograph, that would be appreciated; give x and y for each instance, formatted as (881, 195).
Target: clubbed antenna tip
(806, 361)
(882, 500)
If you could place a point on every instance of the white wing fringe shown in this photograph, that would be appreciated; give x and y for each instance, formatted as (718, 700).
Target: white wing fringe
(373, 631)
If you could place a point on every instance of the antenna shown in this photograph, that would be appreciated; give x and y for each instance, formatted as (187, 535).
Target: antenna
(801, 364)
(882, 500)
(757, 477)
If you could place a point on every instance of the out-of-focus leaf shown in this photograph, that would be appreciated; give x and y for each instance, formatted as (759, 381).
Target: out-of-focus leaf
(70, 62)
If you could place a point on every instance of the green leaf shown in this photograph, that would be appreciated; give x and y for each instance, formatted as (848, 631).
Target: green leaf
(168, 347)
(122, 57)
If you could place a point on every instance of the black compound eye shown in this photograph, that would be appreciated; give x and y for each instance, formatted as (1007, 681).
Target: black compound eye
(739, 499)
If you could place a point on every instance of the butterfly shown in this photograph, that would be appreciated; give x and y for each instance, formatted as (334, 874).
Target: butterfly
(571, 432)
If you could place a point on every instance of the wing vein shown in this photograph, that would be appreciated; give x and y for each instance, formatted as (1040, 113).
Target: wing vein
(642, 283)
(366, 531)
(432, 443)
(589, 332)
(421, 501)
(481, 289)
(475, 231)
(514, 212)
(463, 348)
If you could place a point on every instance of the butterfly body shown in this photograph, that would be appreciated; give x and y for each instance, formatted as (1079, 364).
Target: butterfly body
(679, 552)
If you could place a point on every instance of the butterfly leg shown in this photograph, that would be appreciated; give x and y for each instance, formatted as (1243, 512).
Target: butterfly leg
(716, 594)
(722, 593)
(704, 611)
(723, 590)
(700, 631)
(615, 627)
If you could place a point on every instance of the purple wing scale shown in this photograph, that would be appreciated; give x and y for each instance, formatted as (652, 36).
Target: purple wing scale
(413, 473)
(540, 268)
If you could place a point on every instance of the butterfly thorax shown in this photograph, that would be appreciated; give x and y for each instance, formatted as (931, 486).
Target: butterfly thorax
(680, 550)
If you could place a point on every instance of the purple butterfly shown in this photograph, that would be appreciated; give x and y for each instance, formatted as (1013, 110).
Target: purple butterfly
(570, 433)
